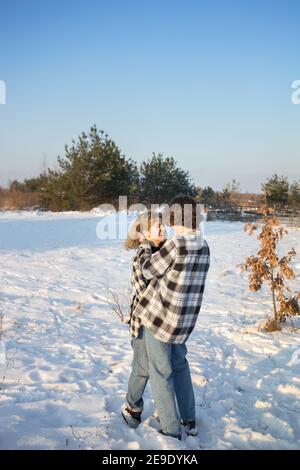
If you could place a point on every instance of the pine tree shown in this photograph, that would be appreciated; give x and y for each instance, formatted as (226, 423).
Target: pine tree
(92, 172)
(294, 195)
(207, 196)
(161, 180)
(276, 190)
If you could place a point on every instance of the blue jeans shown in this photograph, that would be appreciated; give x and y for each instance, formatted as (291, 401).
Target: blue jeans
(168, 369)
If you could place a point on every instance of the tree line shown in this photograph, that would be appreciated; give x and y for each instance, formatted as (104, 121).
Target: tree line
(94, 171)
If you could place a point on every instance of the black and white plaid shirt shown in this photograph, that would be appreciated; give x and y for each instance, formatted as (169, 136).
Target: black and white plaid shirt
(170, 303)
(139, 285)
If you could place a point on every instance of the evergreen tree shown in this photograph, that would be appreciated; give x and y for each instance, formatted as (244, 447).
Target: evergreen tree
(92, 172)
(276, 190)
(208, 196)
(31, 185)
(161, 180)
(294, 194)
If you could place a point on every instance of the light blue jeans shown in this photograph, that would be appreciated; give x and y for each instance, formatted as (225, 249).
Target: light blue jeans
(168, 369)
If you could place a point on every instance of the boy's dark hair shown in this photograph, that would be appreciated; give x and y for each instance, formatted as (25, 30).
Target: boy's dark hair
(183, 210)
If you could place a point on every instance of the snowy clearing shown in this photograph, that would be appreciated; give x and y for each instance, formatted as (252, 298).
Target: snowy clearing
(65, 356)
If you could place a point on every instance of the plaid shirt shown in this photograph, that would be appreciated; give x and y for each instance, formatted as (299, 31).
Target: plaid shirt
(139, 284)
(169, 305)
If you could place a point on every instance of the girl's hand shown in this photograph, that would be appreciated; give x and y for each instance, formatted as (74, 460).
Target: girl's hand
(141, 237)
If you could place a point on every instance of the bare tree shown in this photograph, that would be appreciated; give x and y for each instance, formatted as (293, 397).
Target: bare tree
(119, 303)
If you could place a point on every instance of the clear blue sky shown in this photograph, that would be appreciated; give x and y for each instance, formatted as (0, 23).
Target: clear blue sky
(207, 82)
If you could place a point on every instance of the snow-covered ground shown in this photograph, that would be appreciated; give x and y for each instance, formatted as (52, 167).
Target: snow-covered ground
(65, 356)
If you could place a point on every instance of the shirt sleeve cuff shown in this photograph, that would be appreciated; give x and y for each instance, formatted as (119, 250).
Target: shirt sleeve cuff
(145, 244)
